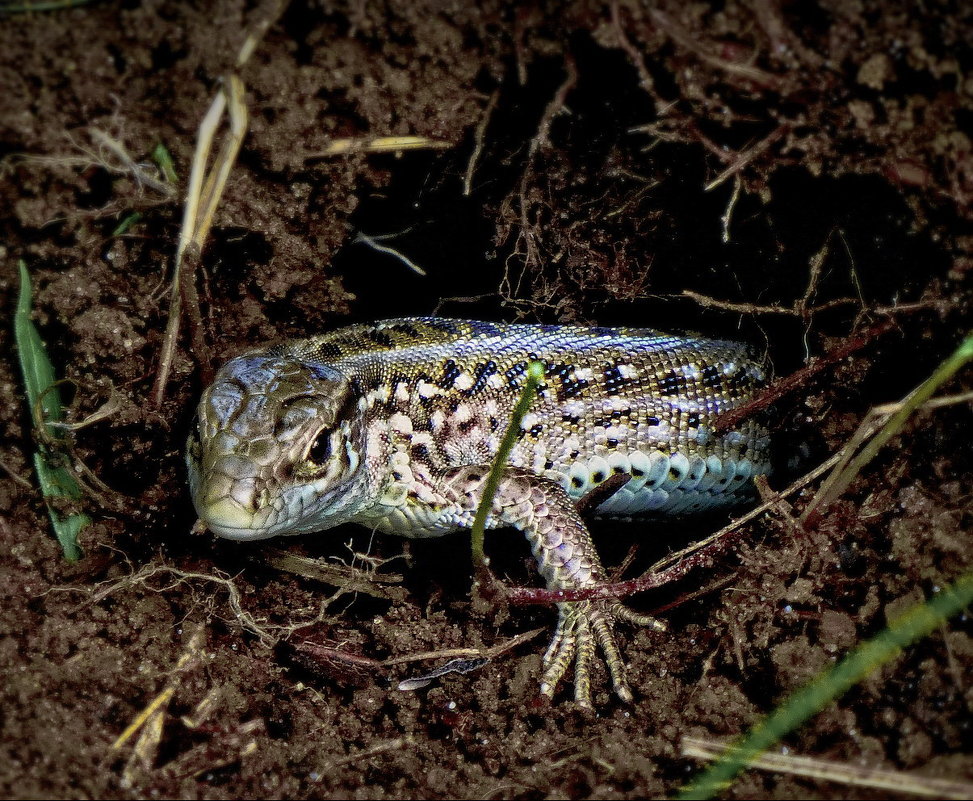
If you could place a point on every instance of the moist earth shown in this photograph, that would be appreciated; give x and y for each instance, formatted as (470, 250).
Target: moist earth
(796, 175)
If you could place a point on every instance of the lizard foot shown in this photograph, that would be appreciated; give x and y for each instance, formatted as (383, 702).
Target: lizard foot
(582, 627)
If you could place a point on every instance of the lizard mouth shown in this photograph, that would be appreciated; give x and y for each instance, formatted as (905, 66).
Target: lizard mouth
(229, 519)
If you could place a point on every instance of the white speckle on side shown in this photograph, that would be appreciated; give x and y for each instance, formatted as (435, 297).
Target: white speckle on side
(436, 419)
(691, 371)
(638, 463)
(598, 470)
(735, 439)
(658, 470)
(574, 408)
(627, 371)
(617, 432)
(678, 470)
(618, 462)
(378, 395)
(422, 438)
(400, 423)
(402, 391)
(463, 413)
(578, 475)
(463, 381)
(496, 381)
(427, 390)
(375, 437)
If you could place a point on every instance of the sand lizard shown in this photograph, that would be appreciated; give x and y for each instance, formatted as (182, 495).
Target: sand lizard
(394, 425)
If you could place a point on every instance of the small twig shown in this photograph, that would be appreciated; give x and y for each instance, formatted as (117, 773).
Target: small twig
(187, 661)
(374, 245)
(347, 578)
(645, 79)
(784, 386)
(686, 40)
(478, 139)
(828, 770)
(753, 308)
(748, 155)
(731, 204)
(396, 744)
(458, 653)
(379, 144)
(15, 476)
(202, 198)
(852, 463)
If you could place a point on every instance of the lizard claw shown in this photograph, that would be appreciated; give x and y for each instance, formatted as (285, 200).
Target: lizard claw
(584, 626)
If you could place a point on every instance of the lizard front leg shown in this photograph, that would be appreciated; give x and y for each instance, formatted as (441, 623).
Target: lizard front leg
(566, 558)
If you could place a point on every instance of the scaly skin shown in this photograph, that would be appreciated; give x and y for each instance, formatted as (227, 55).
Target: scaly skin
(394, 425)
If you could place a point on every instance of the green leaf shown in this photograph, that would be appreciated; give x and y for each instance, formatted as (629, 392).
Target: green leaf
(163, 158)
(127, 223)
(58, 485)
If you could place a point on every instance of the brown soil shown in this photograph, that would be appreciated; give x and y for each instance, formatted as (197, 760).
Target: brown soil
(846, 129)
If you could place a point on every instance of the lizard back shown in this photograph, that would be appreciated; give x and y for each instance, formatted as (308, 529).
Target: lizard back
(614, 400)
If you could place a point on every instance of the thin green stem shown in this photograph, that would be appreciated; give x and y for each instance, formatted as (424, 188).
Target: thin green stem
(917, 622)
(843, 475)
(534, 377)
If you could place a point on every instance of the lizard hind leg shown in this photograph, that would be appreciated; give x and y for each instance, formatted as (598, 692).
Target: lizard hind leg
(567, 559)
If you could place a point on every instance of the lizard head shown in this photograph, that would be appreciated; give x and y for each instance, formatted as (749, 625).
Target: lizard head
(276, 448)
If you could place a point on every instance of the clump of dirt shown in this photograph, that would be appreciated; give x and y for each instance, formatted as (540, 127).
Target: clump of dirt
(789, 174)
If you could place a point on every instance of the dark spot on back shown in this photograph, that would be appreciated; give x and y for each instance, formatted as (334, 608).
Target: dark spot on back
(672, 383)
(614, 381)
(406, 329)
(420, 451)
(712, 376)
(450, 373)
(380, 338)
(480, 376)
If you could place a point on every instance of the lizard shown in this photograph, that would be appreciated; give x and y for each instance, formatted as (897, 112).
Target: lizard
(394, 425)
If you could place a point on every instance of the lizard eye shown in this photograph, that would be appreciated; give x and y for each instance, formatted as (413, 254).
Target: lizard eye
(195, 445)
(320, 450)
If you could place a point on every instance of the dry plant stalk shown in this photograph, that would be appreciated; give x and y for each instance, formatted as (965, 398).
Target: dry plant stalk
(842, 772)
(202, 198)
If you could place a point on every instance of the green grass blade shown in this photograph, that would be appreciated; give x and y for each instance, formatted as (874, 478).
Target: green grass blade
(126, 224)
(916, 623)
(535, 374)
(163, 158)
(58, 485)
